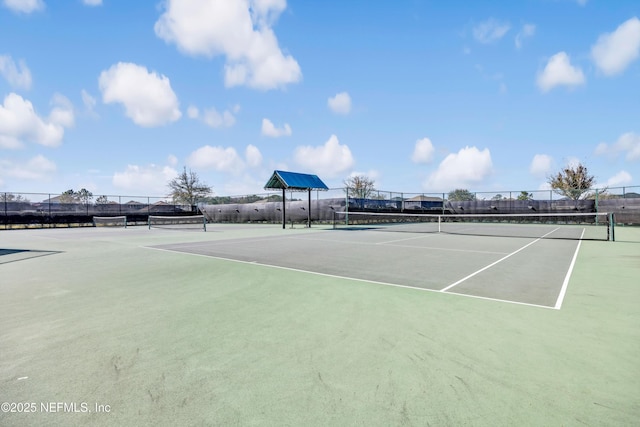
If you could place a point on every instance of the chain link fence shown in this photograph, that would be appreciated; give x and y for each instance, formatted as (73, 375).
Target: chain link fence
(44, 210)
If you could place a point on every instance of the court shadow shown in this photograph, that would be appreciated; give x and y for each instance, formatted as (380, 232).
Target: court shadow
(14, 255)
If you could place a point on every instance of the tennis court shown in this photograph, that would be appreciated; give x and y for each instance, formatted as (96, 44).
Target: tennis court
(501, 268)
(257, 325)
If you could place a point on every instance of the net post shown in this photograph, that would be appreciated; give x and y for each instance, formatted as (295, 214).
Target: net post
(439, 223)
(612, 227)
(204, 223)
(125, 221)
(149, 221)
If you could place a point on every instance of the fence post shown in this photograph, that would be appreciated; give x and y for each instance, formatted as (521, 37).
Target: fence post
(596, 206)
(346, 206)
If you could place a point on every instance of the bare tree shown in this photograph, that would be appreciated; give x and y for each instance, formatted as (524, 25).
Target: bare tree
(187, 189)
(572, 182)
(359, 186)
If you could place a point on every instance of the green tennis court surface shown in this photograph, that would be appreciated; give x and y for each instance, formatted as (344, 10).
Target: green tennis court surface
(506, 269)
(255, 325)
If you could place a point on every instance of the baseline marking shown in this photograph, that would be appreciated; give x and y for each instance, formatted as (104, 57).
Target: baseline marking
(565, 284)
(496, 262)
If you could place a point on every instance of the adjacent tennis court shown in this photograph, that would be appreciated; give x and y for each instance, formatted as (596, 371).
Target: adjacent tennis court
(365, 324)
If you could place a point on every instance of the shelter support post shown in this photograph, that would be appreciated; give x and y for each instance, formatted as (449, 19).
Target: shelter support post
(284, 209)
(309, 210)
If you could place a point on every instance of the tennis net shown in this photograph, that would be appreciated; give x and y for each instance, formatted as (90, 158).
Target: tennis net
(574, 226)
(188, 222)
(110, 221)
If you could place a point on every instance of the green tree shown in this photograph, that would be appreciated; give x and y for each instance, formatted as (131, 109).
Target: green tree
(359, 186)
(187, 188)
(8, 197)
(524, 195)
(102, 200)
(461, 195)
(572, 182)
(68, 196)
(84, 196)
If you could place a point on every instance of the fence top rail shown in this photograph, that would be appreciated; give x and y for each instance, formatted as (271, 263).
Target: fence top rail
(629, 190)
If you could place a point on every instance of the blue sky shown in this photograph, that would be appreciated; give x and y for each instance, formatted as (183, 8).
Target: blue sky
(422, 96)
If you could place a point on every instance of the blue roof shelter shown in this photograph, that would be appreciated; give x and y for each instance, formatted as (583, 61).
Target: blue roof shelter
(293, 181)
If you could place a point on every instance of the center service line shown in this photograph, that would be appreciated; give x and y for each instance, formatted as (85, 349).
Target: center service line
(496, 262)
(563, 290)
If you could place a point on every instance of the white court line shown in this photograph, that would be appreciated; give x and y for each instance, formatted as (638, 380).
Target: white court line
(334, 276)
(430, 248)
(406, 238)
(238, 240)
(565, 284)
(496, 262)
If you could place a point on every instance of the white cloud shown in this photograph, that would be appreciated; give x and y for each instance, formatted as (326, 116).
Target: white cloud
(490, 30)
(34, 169)
(269, 129)
(528, 30)
(146, 96)
(62, 112)
(18, 75)
(88, 101)
(628, 143)
(218, 158)
(253, 156)
(372, 174)
(544, 186)
(572, 162)
(423, 151)
(92, 2)
(212, 118)
(238, 29)
(329, 159)
(619, 179)
(193, 112)
(151, 179)
(19, 122)
(340, 104)
(613, 52)
(459, 170)
(24, 6)
(541, 165)
(558, 72)
(172, 160)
